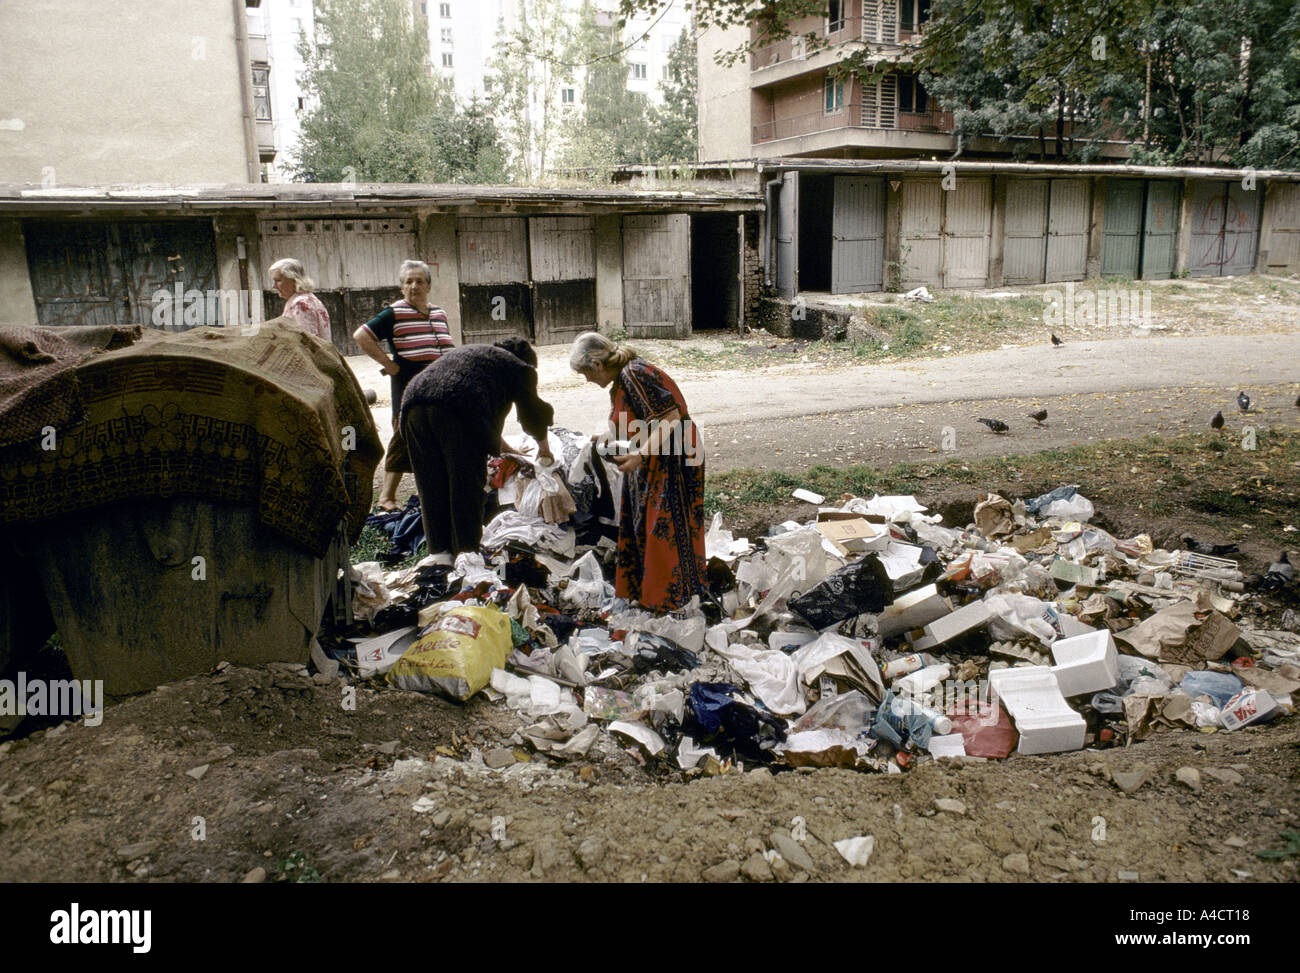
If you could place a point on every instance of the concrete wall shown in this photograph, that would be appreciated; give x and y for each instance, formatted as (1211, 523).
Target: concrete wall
(100, 91)
(436, 239)
(723, 97)
(17, 304)
(609, 273)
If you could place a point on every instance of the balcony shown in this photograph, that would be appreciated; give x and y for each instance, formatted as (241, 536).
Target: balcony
(849, 119)
(792, 56)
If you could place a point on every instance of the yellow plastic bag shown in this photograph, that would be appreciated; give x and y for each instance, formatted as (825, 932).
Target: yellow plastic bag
(455, 655)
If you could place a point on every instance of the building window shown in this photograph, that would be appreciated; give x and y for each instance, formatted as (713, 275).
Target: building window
(444, 11)
(638, 72)
(446, 59)
(834, 95)
(262, 94)
(566, 96)
(424, 8)
(912, 96)
(912, 14)
(446, 35)
(302, 104)
(835, 15)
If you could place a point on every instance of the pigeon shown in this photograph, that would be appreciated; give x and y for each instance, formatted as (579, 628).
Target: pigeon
(1214, 550)
(1038, 416)
(996, 425)
(1243, 401)
(1279, 574)
(1217, 421)
(1057, 341)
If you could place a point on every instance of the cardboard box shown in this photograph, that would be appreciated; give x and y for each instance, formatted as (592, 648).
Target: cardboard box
(853, 533)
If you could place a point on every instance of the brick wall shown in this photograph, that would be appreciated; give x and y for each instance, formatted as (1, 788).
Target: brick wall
(753, 258)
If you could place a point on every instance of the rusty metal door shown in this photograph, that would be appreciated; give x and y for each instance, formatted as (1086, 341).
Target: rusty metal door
(1121, 235)
(1160, 230)
(1024, 247)
(657, 275)
(562, 255)
(857, 235)
(112, 273)
(786, 237)
(920, 242)
(1207, 201)
(495, 299)
(1067, 230)
(968, 220)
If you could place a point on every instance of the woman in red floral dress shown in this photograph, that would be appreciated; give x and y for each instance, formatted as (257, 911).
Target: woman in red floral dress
(660, 561)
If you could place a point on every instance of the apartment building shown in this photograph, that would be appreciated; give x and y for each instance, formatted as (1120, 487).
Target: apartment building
(793, 104)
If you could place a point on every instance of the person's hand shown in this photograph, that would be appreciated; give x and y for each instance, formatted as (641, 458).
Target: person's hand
(628, 463)
(544, 457)
(391, 368)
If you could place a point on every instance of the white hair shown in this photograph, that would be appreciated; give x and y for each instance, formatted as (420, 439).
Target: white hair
(592, 350)
(291, 269)
(419, 265)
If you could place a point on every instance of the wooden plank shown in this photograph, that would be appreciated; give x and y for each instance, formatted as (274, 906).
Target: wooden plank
(493, 250)
(920, 242)
(562, 247)
(1067, 230)
(1024, 247)
(968, 221)
(1160, 230)
(657, 275)
(857, 235)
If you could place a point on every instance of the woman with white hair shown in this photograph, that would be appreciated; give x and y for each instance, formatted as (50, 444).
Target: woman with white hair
(419, 335)
(660, 561)
(301, 306)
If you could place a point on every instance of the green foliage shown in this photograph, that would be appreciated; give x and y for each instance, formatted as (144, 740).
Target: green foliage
(295, 869)
(377, 116)
(673, 132)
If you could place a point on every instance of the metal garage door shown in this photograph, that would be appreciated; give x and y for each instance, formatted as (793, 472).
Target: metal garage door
(495, 300)
(1024, 248)
(1284, 220)
(857, 235)
(1121, 236)
(657, 275)
(968, 217)
(919, 238)
(1160, 230)
(1067, 230)
(786, 236)
(562, 255)
(108, 273)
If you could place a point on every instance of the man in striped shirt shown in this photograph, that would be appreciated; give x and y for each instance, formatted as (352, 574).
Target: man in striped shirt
(419, 334)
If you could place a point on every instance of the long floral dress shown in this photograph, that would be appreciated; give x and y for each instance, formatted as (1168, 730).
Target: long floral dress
(660, 560)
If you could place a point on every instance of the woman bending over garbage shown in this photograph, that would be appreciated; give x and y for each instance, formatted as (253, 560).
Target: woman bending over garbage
(660, 561)
(451, 419)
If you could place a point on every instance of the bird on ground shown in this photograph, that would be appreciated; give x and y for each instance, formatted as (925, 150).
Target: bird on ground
(996, 425)
(1217, 421)
(1243, 401)
(1214, 550)
(1279, 574)
(1057, 341)
(1038, 416)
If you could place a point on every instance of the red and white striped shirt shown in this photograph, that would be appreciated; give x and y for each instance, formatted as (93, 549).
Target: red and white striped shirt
(416, 337)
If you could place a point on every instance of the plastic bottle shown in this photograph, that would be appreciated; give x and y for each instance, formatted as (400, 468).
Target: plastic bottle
(939, 723)
(901, 667)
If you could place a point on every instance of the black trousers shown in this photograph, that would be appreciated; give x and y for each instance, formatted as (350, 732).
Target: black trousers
(450, 469)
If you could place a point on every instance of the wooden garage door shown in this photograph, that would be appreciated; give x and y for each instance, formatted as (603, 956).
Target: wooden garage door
(1121, 236)
(857, 235)
(919, 236)
(1067, 230)
(657, 275)
(495, 300)
(1284, 219)
(1024, 248)
(968, 219)
(562, 256)
(1160, 230)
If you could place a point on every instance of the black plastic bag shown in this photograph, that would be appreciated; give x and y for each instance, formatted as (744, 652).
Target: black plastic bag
(862, 586)
(654, 652)
(715, 718)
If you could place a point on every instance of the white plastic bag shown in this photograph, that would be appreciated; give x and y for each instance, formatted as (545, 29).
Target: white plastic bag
(587, 588)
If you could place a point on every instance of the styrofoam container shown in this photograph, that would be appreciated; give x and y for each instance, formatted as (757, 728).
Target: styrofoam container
(912, 610)
(1045, 722)
(1086, 663)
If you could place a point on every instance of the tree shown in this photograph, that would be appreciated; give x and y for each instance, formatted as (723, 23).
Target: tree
(529, 65)
(673, 134)
(377, 115)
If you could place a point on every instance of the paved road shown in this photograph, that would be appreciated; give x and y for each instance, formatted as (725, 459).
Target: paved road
(793, 417)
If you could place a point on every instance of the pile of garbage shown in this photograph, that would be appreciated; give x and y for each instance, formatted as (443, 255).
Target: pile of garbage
(868, 636)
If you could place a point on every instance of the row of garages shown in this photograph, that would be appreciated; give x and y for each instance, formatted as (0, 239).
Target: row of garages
(838, 231)
(618, 260)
